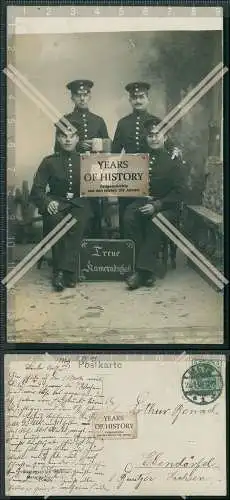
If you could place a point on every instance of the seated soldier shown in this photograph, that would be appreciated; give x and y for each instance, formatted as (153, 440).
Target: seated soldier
(60, 172)
(165, 189)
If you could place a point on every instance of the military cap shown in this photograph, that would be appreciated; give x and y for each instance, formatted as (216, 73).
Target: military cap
(66, 126)
(151, 123)
(80, 86)
(136, 87)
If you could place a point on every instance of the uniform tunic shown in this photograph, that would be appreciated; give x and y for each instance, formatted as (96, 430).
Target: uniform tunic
(165, 184)
(60, 173)
(91, 125)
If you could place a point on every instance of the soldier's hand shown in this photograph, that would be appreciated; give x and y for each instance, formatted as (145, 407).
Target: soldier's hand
(86, 145)
(53, 207)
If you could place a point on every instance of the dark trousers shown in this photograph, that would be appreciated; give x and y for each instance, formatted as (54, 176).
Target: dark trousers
(65, 252)
(146, 236)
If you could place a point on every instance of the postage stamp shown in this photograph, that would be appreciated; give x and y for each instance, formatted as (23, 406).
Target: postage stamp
(115, 425)
(202, 383)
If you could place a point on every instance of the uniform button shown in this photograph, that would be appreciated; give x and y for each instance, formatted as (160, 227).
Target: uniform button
(85, 136)
(83, 116)
(137, 127)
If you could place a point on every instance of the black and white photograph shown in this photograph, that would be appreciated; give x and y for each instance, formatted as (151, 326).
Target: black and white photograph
(115, 175)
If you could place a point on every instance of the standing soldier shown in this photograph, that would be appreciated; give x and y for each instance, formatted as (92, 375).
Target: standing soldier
(91, 126)
(60, 172)
(165, 194)
(129, 134)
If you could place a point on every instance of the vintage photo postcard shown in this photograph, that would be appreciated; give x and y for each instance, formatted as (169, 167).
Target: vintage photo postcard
(70, 430)
(115, 175)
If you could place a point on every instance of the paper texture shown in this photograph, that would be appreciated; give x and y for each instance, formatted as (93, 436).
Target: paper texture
(115, 425)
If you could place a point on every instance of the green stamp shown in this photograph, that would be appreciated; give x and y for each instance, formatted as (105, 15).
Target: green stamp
(202, 383)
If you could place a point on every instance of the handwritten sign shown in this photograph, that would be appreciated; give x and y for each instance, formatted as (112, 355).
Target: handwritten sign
(114, 175)
(106, 260)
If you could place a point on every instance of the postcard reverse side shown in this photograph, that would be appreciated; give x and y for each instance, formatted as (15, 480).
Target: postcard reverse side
(115, 425)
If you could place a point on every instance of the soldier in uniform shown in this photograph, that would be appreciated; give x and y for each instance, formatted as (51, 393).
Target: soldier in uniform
(60, 172)
(90, 126)
(165, 193)
(129, 134)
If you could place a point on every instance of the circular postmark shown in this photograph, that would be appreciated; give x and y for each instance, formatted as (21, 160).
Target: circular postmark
(202, 383)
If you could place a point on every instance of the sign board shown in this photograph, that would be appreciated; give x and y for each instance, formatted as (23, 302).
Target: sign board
(106, 260)
(104, 175)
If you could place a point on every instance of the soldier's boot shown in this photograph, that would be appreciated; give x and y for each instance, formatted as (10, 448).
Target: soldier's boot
(140, 278)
